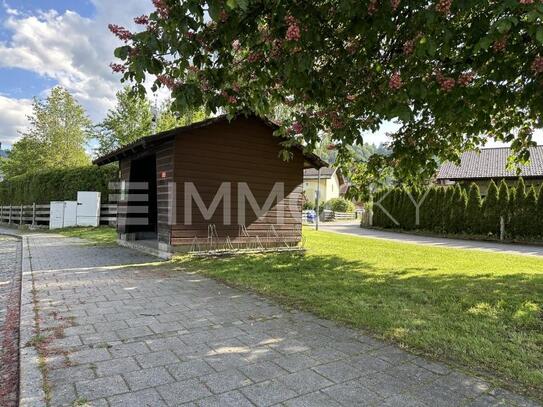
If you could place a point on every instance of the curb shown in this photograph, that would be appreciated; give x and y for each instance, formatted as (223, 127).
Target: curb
(31, 392)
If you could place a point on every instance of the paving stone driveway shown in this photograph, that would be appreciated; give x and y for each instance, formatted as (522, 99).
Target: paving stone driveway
(142, 336)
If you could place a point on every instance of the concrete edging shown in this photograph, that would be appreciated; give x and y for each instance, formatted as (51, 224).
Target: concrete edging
(31, 389)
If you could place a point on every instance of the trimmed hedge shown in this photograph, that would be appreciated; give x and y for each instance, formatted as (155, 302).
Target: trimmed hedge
(460, 210)
(57, 185)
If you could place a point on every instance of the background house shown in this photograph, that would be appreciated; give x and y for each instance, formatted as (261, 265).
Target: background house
(332, 184)
(491, 164)
(208, 155)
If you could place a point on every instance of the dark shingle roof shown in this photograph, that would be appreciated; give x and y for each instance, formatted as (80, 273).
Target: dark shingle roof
(491, 163)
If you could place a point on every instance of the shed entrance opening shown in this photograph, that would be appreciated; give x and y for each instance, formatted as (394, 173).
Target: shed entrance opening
(142, 216)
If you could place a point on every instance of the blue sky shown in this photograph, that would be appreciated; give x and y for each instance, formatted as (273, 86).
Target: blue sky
(44, 43)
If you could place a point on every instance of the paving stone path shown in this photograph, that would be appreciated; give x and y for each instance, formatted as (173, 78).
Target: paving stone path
(10, 283)
(126, 334)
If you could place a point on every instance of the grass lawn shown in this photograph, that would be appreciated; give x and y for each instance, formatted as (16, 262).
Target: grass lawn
(101, 235)
(482, 311)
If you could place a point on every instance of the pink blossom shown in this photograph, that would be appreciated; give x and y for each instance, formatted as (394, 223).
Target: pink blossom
(466, 78)
(167, 81)
(253, 57)
(297, 128)
(122, 33)
(408, 47)
(395, 81)
(445, 83)
(444, 6)
(373, 6)
(236, 46)
(142, 20)
(537, 65)
(162, 8)
(118, 68)
(293, 32)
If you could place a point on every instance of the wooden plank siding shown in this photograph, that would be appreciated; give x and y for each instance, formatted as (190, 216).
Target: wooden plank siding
(164, 164)
(243, 150)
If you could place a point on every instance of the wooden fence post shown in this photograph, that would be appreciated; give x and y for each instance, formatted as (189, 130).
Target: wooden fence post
(10, 213)
(1, 213)
(34, 214)
(502, 228)
(21, 216)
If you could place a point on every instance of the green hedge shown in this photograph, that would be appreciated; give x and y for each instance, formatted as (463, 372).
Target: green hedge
(57, 185)
(340, 205)
(461, 210)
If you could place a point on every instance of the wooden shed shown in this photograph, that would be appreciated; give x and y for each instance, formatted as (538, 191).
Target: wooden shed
(215, 180)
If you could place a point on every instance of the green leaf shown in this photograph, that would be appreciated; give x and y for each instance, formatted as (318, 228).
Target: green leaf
(539, 35)
(214, 10)
(243, 4)
(122, 52)
(431, 48)
(503, 26)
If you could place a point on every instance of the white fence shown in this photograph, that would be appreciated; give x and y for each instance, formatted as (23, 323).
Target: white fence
(330, 216)
(39, 215)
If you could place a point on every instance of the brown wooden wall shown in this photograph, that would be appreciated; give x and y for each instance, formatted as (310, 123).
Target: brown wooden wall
(164, 164)
(243, 150)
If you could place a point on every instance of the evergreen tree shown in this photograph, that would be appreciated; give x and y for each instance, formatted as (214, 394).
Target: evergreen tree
(503, 203)
(410, 210)
(529, 214)
(448, 209)
(491, 210)
(539, 215)
(474, 209)
(510, 224)
(437, 212)
(457, 212)
(426, 210)
(518, 210)
(441, 202)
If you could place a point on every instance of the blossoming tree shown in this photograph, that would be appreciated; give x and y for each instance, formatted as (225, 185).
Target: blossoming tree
(451, 72)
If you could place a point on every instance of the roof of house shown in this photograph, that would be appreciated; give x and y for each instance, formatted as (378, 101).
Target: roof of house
(325, 173)
(152, 140)
(491, 163)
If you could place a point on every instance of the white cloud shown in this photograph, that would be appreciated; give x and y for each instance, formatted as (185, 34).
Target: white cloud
(13, 114)
(73, 50)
